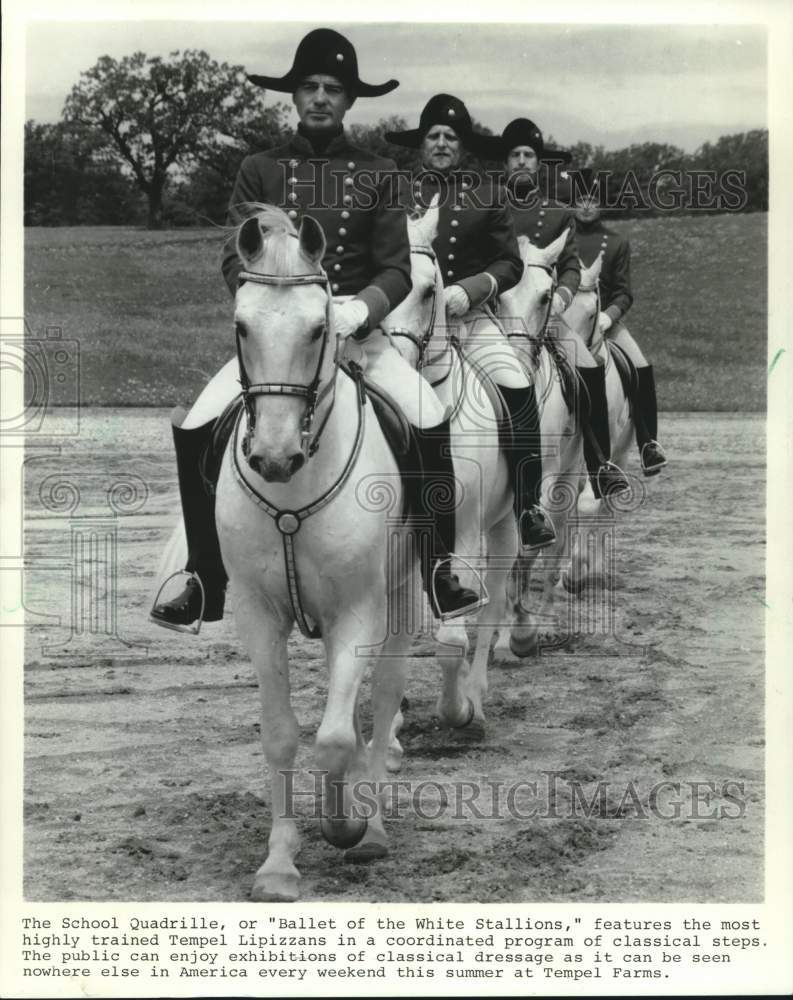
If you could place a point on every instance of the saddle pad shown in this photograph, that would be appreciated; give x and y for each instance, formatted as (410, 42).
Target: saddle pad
(401, 439)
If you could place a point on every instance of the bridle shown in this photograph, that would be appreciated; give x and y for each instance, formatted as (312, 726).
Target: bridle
(420, 343)
(311, 392)
(596, 316)
(550, 271)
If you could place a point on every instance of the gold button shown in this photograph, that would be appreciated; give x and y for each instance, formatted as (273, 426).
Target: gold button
(293, 164)
(539, 224)
(292, 196)
(348, 181)
(351, 165)
(292, 180)
(334, 287)
(455, 222)
(347, 199)
(339, 249)
(292, 213)
(345, 215)
(337, 267)
(456, 208)
(450, 274)
(452, 239)
(542, 212)
(342, 231)
(451, 256)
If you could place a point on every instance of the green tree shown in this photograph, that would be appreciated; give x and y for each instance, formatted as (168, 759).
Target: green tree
(160, 116)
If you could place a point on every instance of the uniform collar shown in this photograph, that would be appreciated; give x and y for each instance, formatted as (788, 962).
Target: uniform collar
(301, 143)
(589, 227)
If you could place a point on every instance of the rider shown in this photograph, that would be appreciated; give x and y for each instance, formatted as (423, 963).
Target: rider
(616, 298)
(542, 219)
(479, 259)
(368, 263)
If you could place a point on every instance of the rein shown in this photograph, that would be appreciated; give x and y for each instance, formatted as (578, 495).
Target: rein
(420, 343)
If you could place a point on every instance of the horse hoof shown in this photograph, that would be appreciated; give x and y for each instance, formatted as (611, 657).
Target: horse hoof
(393, 761)
(344, 833)
(473, 732)
(524, 646)
(365, 852)
(275, 888)
(573, 583)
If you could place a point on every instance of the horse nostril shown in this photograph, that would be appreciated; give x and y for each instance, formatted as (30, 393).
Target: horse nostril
(298, 461)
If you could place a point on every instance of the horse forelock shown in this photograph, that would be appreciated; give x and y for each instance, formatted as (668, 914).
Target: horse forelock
(280, 253)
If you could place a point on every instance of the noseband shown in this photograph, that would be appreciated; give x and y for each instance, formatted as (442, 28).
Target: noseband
(420, 343)
(552, 274)
(311, 392)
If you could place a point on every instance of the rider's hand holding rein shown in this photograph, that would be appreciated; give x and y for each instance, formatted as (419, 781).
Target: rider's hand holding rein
(457, 301)
(605, 322)
(351, 319)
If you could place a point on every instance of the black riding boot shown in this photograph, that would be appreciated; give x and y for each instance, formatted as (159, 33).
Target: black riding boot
(605, 477)
(203, 547)
(652, 455)
(524, 459)
(436, 501)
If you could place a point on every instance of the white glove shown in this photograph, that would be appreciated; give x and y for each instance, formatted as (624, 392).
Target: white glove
(457, 301)
(558, 305)
(349, 317)
(605, 322)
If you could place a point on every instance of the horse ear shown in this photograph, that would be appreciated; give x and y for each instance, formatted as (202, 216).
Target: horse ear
(249, 239)
(553, 250)
(429, 224)
(312, 239)
(597, 266)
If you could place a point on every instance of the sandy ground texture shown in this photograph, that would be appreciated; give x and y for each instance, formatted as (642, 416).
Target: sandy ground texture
(144, 775)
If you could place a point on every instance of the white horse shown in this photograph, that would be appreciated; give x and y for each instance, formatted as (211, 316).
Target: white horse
(524, 312)
(484, 495)
(298, 545)
(587, 568)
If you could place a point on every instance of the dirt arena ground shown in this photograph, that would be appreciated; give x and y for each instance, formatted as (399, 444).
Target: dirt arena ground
(144, 774)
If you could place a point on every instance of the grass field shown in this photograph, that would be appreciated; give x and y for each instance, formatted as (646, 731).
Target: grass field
(152, 314)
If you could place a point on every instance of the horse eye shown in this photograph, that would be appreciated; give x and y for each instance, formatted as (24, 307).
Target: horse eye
(318, 331)
(429, 292)
(240, 330)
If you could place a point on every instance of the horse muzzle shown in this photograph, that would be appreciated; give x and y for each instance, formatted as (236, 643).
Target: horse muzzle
(276, 470)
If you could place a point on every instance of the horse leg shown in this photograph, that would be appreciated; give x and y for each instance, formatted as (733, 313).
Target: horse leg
(265, 633)
(384, 750)
(337, 748)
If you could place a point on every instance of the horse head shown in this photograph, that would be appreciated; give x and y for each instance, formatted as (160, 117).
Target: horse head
(281, 320)
(412, 325)
(525, 308)
(581, 314)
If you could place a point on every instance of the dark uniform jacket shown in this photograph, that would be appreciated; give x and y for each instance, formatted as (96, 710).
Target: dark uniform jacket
(543, 220)
(355, 197)
(616, 296)
(475, 234)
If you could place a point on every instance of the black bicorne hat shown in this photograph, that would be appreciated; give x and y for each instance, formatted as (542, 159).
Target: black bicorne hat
(324, 51)
(523, 132)
(443, 109)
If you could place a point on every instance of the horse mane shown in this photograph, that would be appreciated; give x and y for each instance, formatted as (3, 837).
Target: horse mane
(280, 252)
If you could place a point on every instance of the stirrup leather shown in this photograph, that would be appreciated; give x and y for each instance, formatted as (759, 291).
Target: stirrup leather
(192, 629)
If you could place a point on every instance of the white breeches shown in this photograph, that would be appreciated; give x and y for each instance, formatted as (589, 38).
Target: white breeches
(383, 364)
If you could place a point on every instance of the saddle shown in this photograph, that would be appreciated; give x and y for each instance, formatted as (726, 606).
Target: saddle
(397, 430)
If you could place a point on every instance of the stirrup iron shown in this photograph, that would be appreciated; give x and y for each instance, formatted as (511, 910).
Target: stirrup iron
(192, 629)
(472, 609)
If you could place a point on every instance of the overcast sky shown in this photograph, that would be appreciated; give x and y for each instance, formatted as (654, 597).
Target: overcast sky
(606, 84)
